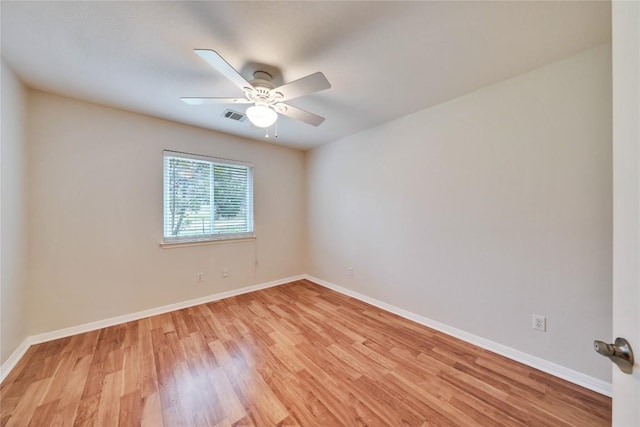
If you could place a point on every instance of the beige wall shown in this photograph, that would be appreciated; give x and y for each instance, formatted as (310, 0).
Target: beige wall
(13, 214)
(482, 211)
(96, 215)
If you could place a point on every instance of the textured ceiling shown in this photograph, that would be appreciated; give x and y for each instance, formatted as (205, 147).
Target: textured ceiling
(383, 59)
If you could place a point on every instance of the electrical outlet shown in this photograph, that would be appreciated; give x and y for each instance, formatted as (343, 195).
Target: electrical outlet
(539, 323)
(200, 277)
(225, 272)
(350, 271)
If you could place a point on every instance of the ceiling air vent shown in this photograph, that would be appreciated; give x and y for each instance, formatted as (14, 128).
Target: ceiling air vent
(234, 115)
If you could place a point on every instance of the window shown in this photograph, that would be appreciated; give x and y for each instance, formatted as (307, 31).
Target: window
(206, 198)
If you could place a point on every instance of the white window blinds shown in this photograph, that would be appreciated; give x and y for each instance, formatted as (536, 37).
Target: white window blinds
(206, 198)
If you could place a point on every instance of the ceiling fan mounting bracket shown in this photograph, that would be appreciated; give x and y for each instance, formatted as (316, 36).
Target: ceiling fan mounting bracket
(262, 79)
(262, 75)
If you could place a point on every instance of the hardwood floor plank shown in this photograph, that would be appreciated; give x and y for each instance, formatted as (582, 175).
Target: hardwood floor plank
(130, 409)
(488, 396)
(43, 415)
(109, 403)
(12, 393)
(87, 411)
(26, 407)
(151, 411)
(481, 414)
(305, 409)
(354, 412)
(64, 416)
(435, 406)
(292, 355)
(229, 402)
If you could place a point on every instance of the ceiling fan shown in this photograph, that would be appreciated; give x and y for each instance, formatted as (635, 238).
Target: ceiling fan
(268, 101)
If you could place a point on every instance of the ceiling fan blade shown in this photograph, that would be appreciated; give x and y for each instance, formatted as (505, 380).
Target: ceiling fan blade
(203, 101)
(223, 67)
(299, 114)
(304, 86)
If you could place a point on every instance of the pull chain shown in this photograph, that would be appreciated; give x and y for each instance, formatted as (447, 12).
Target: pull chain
(276, 135)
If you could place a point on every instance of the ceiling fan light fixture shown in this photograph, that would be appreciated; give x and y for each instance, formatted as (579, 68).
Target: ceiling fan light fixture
(261, 115)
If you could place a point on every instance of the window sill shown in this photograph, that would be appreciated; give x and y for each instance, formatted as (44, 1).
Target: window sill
(172, 245)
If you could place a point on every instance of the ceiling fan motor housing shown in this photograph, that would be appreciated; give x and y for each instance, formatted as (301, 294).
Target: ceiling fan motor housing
(262, 91)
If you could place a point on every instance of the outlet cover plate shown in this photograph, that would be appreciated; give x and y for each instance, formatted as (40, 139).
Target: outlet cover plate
(539, 323)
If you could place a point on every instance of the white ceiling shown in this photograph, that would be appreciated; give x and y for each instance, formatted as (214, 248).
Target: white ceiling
(383, 59)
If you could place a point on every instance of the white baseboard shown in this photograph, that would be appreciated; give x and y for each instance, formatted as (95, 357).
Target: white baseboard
(543, 365)
(15, 357)
(554, 369)
(74, 330)
(11, 362)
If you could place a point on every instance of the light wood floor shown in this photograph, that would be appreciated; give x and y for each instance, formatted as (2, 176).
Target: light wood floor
(296, 354)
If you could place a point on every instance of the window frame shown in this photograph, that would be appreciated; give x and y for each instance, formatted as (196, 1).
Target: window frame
(204, 239)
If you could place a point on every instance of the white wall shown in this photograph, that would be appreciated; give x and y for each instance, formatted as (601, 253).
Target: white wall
(96, 214)
(482, 211)
(13, 214)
